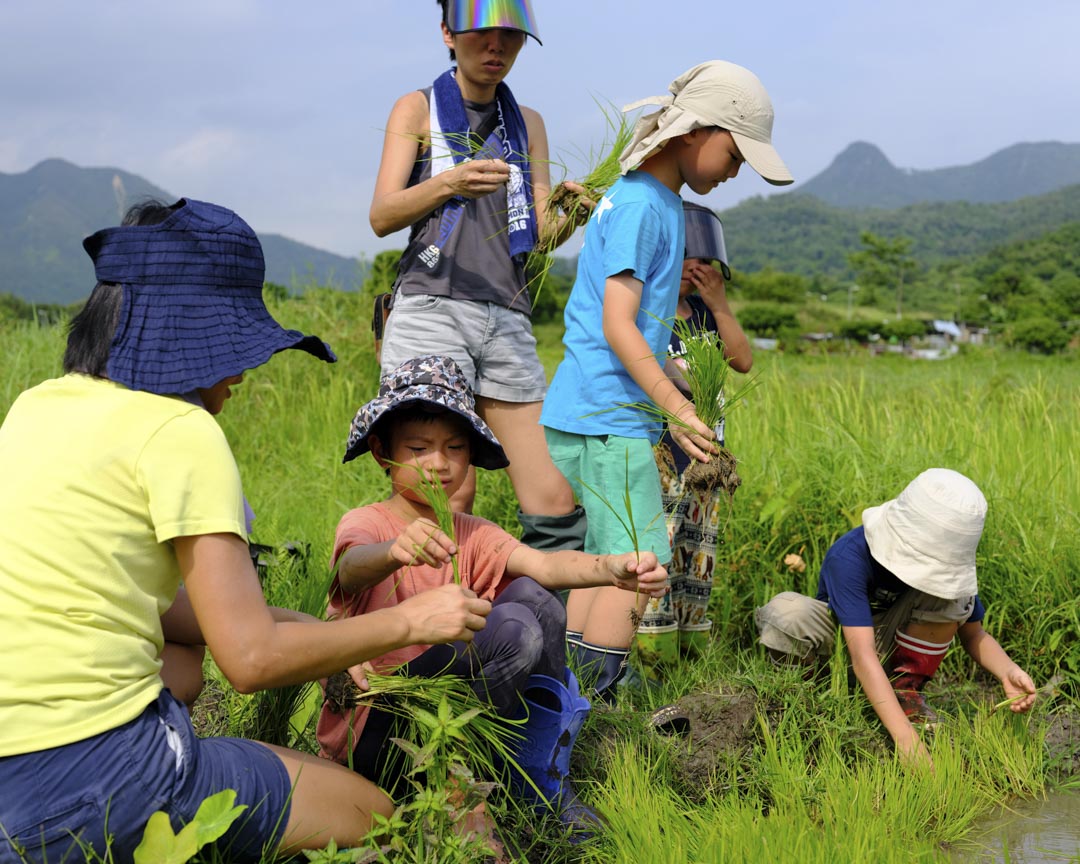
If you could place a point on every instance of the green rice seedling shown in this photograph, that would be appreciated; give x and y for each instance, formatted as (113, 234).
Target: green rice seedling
(451, 740)
(707, 374)
(434, 493)
(625, 521)
(604, 167)
(603, 171)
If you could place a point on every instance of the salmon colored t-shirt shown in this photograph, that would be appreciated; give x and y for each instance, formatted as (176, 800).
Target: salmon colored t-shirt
(483, 550)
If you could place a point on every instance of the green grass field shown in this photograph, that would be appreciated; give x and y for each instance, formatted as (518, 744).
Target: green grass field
(808, 777)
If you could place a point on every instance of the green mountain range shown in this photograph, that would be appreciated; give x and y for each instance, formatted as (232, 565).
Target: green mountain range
(801, 234)
(45, 213)
(1014, 195)
(862, 176)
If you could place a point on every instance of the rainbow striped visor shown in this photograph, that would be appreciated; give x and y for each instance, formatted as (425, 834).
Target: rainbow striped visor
(465, 15)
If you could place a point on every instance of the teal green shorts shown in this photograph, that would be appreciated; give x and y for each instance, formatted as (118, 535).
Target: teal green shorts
(603, 470)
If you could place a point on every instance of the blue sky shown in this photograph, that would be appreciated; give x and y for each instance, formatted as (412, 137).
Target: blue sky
(276, 108)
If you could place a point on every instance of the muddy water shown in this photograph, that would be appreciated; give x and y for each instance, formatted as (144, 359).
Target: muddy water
(1029, 832)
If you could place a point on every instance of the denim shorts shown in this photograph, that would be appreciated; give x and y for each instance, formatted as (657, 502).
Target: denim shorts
(493, 345)
(56, 803)
(602, 470)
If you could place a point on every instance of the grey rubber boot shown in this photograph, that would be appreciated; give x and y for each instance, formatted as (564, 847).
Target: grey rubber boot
(554, 533)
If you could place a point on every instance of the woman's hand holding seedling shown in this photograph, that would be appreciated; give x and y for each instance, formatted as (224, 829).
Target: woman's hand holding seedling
(643, 573)
(422, 542)
(477, 177)
(449, 613)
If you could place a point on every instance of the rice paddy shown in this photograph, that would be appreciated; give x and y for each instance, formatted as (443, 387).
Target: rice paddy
(774, 767)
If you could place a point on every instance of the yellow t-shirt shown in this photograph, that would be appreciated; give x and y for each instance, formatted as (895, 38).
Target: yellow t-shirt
(96, 480)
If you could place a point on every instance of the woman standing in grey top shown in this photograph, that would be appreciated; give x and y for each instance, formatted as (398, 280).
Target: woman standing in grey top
(466, 169)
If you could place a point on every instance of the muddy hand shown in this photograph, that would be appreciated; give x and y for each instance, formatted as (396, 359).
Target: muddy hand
(639, 573)
(583, 205)
(448, 613)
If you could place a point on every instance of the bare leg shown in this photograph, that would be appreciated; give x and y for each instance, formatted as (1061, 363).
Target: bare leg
(938, 632)
(578, 605)
(540, 486)
(329, 802)
(181, 670)
(612, 617)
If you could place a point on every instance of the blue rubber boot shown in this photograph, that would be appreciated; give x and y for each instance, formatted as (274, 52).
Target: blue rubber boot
(544, 753)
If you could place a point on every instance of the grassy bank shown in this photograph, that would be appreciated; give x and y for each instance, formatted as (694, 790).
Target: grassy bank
(774, 765)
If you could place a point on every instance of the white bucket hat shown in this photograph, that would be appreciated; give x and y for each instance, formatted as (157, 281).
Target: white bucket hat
(716, 93)
(927, 535)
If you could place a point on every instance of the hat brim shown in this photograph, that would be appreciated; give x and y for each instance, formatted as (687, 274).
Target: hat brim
(486, 451)
(764, 159)
(175, 341)
(468, 17)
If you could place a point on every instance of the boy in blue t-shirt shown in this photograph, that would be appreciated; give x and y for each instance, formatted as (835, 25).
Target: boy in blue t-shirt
(718, 116)
(901, 585)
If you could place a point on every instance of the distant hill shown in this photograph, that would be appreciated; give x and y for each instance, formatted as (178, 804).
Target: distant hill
(862, 176)
(45, 213)
(801, 234)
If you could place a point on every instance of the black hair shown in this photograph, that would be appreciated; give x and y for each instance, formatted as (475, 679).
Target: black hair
(421, 412)
(91, 331)
(445, 6)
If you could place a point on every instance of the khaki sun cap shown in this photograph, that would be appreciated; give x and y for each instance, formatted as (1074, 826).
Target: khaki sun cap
(927, 535)
(716, 93)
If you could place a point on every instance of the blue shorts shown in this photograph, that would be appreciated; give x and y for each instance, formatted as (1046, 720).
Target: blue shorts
(493, 345)
(55, 803)
(602, 470)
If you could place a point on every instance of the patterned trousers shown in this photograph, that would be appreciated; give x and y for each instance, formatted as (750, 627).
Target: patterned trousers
(693, 523)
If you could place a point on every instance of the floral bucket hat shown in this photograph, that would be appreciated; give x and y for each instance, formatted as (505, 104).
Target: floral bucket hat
(429, 380)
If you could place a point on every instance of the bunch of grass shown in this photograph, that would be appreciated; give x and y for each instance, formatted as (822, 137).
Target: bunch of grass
(707, 374)
(604, 168)
(433, 492)
(603, 171)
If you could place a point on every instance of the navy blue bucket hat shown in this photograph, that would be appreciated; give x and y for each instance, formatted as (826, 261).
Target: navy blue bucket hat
(428, 380)
(705, 236)
(192, 311)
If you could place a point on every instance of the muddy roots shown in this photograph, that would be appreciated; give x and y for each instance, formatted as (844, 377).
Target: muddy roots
(341, 692)
(568, 202)
(718, 473)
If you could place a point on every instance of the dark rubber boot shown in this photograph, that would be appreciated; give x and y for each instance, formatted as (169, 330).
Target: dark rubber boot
(598, 667)
(544, 752)
(912, 663)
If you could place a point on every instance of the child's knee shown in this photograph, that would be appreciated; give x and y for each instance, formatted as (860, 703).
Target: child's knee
(792, 623)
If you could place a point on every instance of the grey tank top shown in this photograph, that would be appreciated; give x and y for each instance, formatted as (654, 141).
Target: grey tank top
(474, 263)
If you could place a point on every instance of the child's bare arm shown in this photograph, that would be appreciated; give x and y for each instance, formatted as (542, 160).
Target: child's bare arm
(985, 650)
(361, 567)
(622, 301)
(570, 569)
(879, 692)
(710, 285)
